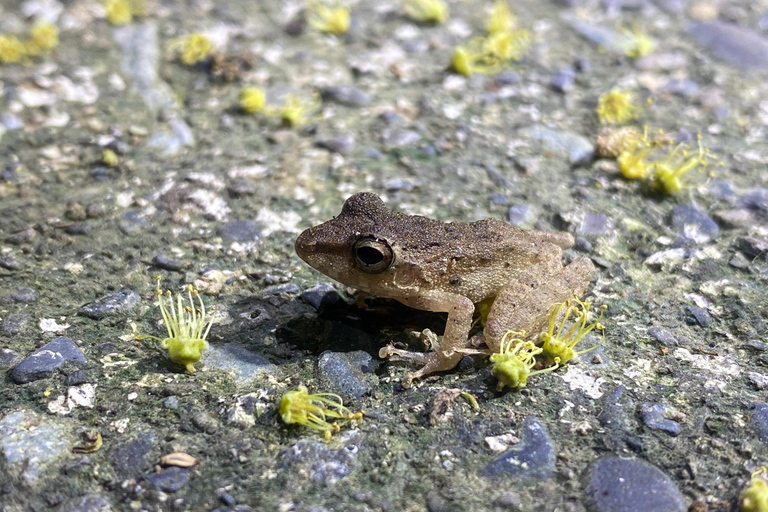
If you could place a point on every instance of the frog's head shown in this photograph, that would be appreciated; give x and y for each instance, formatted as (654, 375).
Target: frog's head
(356, 247)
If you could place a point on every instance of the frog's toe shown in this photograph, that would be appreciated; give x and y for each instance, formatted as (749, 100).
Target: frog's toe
(405, 355)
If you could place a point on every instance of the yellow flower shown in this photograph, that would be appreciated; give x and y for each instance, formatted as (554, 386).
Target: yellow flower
(295, 111)
(315, 410)
(668, 172)
(42, 38)
(11, 50)
(330, 18)
(194, 48)
(616, 106)
(109, 158)
(755, 497)
(427, 11)
(119, 12)
(187, 326)
(559, 346)
(501, 19)
(252, 99)
(513, 362)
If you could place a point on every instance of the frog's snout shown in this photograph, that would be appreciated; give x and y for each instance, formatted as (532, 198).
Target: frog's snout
(305, 244)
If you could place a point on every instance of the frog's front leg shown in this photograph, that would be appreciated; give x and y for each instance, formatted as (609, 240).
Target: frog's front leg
(523, 304)
(460, 310)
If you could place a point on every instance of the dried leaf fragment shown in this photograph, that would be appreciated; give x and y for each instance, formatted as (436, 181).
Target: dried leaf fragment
(179, 459)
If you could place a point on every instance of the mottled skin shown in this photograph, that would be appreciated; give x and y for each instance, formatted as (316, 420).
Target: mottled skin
(448, 267)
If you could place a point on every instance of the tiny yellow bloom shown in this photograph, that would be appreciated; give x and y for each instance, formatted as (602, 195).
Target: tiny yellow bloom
(194, 48)
(427, 11)
(11, 50)
(668, 173)
(119, 12)
(187, 325)
(109, 158)
(559, 346)
(252, 99)
(501, 18)
(616, 106)
(755, 497)
(42, 38)
(330, 18)
(295, 110)
(319, 411)
(513, 362)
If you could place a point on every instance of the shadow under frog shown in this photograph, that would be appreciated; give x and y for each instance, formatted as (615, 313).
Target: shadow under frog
(447, 267)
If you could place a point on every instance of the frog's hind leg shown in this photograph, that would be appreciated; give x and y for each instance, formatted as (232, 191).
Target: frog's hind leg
(523, 303)
(447, 356)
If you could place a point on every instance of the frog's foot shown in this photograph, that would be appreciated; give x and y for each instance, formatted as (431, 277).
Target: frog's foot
(432, 362)
(404, 355)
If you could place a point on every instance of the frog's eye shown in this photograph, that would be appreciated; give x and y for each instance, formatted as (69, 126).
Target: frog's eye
(373, 255)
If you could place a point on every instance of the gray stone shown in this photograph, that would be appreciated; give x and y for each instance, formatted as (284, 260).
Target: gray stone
(321, 296)
(13, 323)
(111, 305)
(237, 359)
(562, 82)
(8, 358)
(342, 144)
(759, 421)
(171, 402)
(693, 223)
(166, 263)
(594, 224)
(24, 294)
(507, 78)
(78, 228)
(9, 263)
(88, 503)
(698, 316)
(739, 46)
(760, 380)
(756, 199)
(616, 484)
(29, 444)
(396, 137)
(130, 458)
(532, 458)
(324, 465)
(751, 246)
(170, 480)
(240, 231)
(656, 416)
(735, 218)
(345, 372)
(577, 147)
(41, 363)
(663, 336)
(519, 214)
(346, 95)
(131, 223)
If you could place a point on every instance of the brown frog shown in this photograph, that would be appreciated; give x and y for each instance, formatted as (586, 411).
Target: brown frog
(448, 267)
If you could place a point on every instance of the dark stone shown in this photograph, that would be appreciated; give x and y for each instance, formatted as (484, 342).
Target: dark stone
(8, 358)
(344, 372)
(519, 214)
(533, 457)
(693, 223)
(509, 501)
(163, 262)
(170, 480)
(13, 323)
(655, 416)
(751, 246)
(324, 464)
(616, 484)
(78, 228)
(131, 223)
(77, 378)
(346, 95)
(373, 154)
(759, 421)
(594, 224)
(499, 199)
(321, 296)
(507, 78)
(205, 422)
(663, 336)
(240, 231)
(110, 305)
(582, 244)
(24, 294)
(613, 413)
(9, 263)
(740, 46)
(131, 458)
(87, 503)
(562, 82)
(41, 363)
(22, 237)
(699, 316)
(342, 144)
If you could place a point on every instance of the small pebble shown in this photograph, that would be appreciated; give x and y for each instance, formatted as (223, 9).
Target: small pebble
(342, 144)
(346, 95)
(111, 305)
(166, 263)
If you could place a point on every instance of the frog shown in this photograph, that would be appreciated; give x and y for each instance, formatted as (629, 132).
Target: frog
(447, 267)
